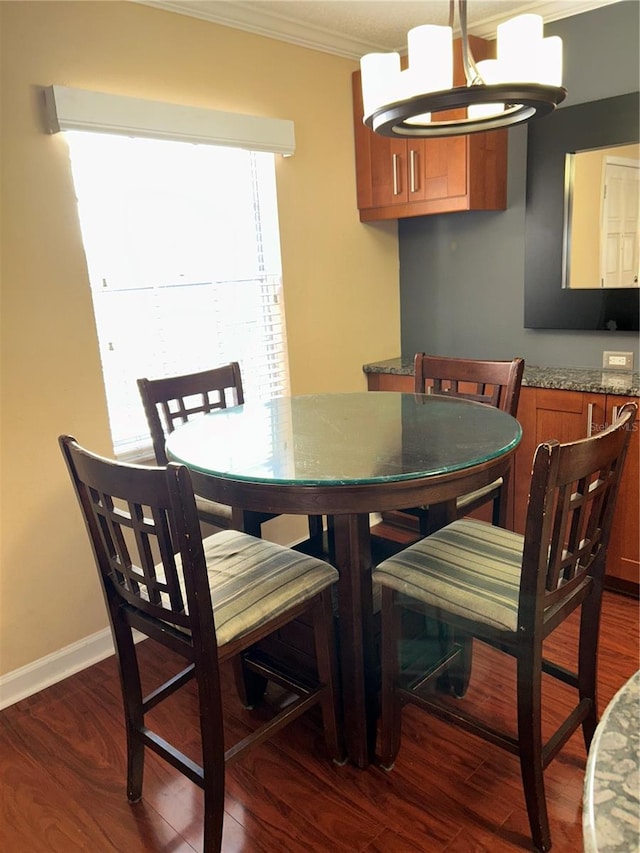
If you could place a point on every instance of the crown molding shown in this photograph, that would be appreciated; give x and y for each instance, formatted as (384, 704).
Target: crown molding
(550, 10)
(249, 18)
(239, 17)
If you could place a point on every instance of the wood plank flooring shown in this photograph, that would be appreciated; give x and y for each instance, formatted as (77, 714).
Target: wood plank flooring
(62, 763)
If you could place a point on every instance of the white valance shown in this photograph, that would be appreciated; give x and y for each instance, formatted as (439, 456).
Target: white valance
(79, 109)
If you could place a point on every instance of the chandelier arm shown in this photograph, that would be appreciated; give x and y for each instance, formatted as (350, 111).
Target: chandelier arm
(474, 78)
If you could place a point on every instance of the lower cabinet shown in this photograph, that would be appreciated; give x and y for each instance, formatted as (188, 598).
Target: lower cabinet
(566, 416)
(390, 382)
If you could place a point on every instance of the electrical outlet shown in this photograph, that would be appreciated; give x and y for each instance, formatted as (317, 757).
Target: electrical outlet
(617, 360)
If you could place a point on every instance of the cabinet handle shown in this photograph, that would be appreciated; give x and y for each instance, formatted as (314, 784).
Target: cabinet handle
(412, 170)
(614, 413)
(394, 160)
(589, 418)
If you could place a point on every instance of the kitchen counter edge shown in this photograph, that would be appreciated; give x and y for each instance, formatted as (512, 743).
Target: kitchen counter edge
(561, 378)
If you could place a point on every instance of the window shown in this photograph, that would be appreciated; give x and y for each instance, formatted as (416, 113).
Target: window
(183, 253)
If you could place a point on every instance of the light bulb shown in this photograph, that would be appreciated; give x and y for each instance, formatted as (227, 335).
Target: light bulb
(430, 59)
(519, 42)
(549, 69)
(380, 73)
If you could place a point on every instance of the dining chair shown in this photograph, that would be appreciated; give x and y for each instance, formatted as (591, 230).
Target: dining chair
(495, 383)
(511, 591)
(206, 600)
(174, 400)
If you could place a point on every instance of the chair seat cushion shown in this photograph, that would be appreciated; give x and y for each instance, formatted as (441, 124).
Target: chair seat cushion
(468, 568)
(253, 581)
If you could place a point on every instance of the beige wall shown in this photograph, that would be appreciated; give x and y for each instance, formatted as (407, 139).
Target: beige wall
(340, 277)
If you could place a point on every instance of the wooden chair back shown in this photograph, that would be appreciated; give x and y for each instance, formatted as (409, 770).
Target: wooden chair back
(174, 400)
(138, 518)
(572, 499)
(496, 383)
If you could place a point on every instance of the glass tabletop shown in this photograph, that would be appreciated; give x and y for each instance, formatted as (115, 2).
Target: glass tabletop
(350, 438)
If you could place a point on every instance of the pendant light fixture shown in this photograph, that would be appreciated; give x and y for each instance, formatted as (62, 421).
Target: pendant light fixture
(523, 82)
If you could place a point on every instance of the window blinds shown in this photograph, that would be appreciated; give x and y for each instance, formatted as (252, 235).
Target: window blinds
(183, 254)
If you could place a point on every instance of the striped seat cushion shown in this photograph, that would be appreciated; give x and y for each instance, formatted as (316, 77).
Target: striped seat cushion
(253, 581)
(469, 568)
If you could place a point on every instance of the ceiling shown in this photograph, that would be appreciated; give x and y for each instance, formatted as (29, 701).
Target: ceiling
(351, 28)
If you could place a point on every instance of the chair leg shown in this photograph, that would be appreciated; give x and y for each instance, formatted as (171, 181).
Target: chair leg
(529, 691)
(316, 528)
(327, 662)
(213, 765)
(250, 686)
(587, 660)
(423, 522)
(391, 709)
(213, 823)
(252, 523)
(135, 766)
(456, 678)
(499, 505)
(132, 699)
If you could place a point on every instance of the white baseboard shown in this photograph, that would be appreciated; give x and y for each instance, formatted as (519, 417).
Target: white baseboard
(55, 667)
(64, 662)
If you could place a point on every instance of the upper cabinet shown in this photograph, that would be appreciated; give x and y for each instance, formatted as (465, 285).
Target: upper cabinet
(399, 177)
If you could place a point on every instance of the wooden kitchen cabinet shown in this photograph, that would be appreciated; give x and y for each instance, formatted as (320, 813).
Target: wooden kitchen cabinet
(397, 178)
(566, 416)
(390, 382)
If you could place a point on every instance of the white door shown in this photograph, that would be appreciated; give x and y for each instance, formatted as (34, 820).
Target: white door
(619, 255)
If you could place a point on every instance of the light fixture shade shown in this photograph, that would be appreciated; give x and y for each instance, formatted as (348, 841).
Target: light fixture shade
(550, 66)
(379, 74)
(524, 82)
(519, 45)
(430, 52)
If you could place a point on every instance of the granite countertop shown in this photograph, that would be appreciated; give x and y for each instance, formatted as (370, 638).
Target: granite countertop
(563, 378)
(611, 803)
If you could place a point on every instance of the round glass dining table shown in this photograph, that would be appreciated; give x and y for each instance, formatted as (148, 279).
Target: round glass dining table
(346, 455)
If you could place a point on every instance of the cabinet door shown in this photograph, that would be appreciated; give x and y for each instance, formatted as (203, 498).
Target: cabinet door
(382, 164)
(389, 171)
(566, 416)
(390, 382)
(416, 164)
(623, 558)
(437, 170)
(544, 415)
(444, 172)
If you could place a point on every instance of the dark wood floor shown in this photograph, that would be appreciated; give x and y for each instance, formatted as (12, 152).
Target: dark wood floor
(62, 761)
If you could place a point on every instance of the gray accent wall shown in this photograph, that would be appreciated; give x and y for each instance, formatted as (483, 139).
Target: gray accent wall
(462, 274)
